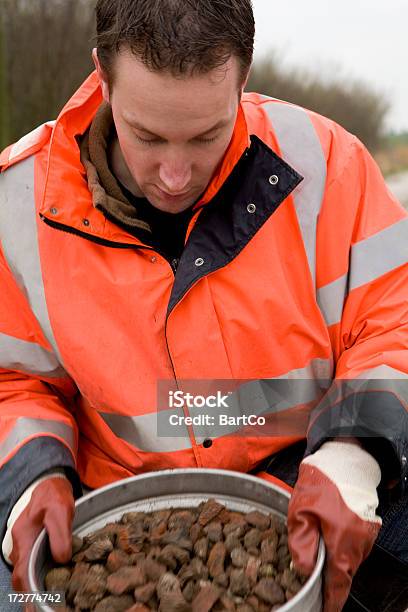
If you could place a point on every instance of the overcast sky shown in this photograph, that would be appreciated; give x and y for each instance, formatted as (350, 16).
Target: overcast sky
(362, 38)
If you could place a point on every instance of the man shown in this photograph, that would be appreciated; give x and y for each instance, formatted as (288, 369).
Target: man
(170, 227)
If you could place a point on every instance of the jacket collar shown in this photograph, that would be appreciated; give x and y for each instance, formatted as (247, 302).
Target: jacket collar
(79, 214)
(256, 187)
(107, 194)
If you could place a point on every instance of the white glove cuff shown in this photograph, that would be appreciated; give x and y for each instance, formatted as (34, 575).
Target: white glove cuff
(18, 508)
(354, 472)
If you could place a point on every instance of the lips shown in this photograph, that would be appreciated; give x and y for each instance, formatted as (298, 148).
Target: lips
(173, 196)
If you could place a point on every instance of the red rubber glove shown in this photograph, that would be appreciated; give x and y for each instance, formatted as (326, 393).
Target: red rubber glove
(335, 496)
(51, 506)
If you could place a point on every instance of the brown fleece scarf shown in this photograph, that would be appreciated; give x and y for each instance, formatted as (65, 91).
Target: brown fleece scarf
(106, 192)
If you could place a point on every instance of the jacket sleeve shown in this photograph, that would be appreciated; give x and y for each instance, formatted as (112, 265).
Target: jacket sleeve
(362, 254)
(37, 434)
(37, 426)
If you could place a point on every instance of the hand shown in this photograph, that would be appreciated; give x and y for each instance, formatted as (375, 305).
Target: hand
(51, 506)
(335, 496)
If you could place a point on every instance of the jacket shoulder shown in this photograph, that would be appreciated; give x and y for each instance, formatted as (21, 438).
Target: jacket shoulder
(289, 127)
(275, 112)
(26, 146)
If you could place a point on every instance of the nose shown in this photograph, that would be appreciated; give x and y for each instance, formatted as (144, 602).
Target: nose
(175, 174)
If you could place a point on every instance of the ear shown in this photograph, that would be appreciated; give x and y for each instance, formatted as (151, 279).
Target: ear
(246, 81)
(102, 76)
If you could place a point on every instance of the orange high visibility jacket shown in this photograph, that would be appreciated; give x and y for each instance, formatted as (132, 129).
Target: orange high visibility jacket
(294, 270)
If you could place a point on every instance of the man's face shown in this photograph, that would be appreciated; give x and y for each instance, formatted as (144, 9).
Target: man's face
(172, 132)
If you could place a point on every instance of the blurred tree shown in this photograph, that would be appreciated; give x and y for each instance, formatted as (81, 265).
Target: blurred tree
(4, 84)
(352, 104)
(45, 50)
(44, 56)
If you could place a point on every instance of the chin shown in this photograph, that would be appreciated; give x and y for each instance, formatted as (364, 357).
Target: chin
(171, 207)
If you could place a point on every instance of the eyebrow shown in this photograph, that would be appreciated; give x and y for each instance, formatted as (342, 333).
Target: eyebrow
(217, 126)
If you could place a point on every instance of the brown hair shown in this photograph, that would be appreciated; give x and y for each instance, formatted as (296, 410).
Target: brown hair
(178, 36)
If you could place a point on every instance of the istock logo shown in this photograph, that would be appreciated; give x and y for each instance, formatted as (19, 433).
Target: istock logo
(177, 399)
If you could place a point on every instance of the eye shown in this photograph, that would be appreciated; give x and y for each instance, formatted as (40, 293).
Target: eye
(207, 140)
(147, 141)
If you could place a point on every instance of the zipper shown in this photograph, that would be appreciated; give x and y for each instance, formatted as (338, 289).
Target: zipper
(109, 243)
(69, 230)
(102, 241)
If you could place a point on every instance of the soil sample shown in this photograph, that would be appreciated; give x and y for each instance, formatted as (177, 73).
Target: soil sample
(200, 559)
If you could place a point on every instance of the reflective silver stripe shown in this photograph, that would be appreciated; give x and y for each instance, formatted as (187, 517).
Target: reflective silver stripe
(380, 378)
(25, 427)
(384, 378)
(268, 403)
(269, 396)
(379, 254)
(154, 432)
(149, 432)
(370, 259)
(301, 148)
(261, 398)
(384, 372)
(331, 298)
(28, 357)
(28, 140)
(18, 233)
(322, 369)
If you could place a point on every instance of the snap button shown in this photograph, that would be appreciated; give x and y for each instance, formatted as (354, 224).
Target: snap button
(251, 208)
(207, 443)
(153, 259)
(53, 211)
(85, 222)
(404, 459)
(274, 180)
(199, 262)
(174, 264)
